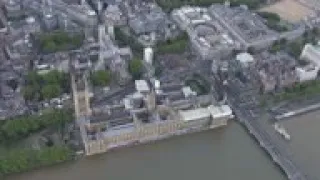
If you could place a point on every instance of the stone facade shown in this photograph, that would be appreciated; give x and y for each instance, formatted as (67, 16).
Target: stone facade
(151, 132)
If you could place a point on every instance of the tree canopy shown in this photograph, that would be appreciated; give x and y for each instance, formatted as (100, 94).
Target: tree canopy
(59, 41)
(18, 128)
(125, 40)
(295, 47)
(273, 21)
(51, 91)
(177, 45)
(46, 86)
(19, 160)
(53, 77)
(136, 68)
(101, 78)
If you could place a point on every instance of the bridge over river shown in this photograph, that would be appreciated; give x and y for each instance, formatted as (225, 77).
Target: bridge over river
(278, 155)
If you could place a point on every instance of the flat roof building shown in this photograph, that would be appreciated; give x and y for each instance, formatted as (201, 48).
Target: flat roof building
(245, 59)
(311, 53)
(208, 38)
(245, 26)
(214, 112)
(194, 114)
(12, 8)
(222, 111)
(307, 73)
(142, 86)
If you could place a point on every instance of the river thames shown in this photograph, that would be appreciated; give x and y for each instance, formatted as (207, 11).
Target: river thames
(228, 153)
(304, 144)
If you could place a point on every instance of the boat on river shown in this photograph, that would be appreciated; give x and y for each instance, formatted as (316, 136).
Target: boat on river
(282, 131)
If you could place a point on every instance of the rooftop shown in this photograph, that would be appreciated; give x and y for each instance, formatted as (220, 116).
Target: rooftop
(245, 58)
(147, 18)
(207, 35)
(119, 130)
(142, 86)
(187, 91)
(166, 88)
(194, 114)
(220, 111)
(147, 23)
(242, 23)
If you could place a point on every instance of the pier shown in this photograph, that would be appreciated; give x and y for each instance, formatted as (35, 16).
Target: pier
(298, 112)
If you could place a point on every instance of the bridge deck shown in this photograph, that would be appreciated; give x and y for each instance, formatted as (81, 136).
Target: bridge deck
(291, 170)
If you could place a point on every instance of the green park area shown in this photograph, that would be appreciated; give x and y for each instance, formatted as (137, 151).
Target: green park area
(59, 41)
(20, 160)
(14, 132)
(18, 128)
(172, 46)
(45, 86)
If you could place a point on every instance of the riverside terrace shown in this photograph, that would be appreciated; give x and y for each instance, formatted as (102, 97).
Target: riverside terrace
(245, 26)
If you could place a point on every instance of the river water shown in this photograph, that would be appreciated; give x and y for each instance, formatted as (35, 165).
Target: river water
(221, 154)
(305, 143)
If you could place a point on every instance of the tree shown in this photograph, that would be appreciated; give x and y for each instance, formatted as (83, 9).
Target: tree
(33, 78)
(295, 48)
(275, 48)
(40, 85)
(59, 41)
(51, 91)
(53, 77)
(135, 68)
(49, 46)
(18, 128)
(125, 39)
(65, 83)
(101, 78)
(30, 92)
(18, 160)
(283, 41)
